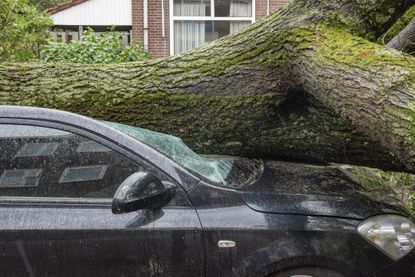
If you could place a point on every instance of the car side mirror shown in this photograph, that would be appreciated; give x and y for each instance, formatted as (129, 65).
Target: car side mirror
(141, 190)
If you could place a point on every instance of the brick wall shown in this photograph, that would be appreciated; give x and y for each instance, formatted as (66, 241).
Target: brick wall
(261, 7)
(159, 46)
(137, 20)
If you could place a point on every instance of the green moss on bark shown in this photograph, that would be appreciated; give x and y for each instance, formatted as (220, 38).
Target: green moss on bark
(399, 25)
(337, 45)
(371, 86)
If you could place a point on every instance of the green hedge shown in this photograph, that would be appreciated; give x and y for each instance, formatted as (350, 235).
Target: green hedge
(102, 49)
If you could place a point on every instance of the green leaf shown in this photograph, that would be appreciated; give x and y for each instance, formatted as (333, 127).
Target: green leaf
(103, 49)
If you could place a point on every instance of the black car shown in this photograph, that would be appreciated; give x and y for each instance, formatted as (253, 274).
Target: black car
(82, 197)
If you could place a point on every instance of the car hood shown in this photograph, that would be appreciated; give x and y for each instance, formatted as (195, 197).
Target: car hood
(332, 190)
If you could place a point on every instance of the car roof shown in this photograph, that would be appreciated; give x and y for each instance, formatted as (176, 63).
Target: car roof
(176, 171)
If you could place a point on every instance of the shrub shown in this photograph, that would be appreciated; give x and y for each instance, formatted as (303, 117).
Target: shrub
(102, 49)
(23, 30)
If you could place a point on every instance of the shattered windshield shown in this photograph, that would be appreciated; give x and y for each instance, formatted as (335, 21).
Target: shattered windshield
(230, 171)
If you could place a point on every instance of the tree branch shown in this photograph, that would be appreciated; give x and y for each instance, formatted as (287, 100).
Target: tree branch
(405, 38)
(365, 83)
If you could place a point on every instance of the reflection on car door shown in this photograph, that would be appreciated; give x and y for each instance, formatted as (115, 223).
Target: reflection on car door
(56, 219)
(90, 241)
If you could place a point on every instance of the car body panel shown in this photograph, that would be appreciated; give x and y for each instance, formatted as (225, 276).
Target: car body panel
(404, 267)
(86, 240)
(269, 242)
(331, 190)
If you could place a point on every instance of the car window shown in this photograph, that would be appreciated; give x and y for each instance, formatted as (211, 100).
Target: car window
(45, 162)
(215, 170)
(223, 170)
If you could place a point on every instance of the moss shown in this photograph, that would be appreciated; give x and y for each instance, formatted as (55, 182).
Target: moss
(299, 38)
(399, 25)
(387, 78)
(377, 17)
(367, 19)
(266, 126)
(225, 122)
(338, 46)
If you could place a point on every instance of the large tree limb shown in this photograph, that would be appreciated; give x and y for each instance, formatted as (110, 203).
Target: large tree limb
(398, 26)
(365, 83)
(241, 94)
(405, 38)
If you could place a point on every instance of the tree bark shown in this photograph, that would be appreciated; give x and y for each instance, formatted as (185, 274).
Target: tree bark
(372, 87)
(397, 27)
(405, 38)
(304, 83)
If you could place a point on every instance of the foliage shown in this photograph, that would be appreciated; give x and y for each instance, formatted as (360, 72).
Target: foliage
(43, 5)
(103, 49)
(22, 30)
(403, 184)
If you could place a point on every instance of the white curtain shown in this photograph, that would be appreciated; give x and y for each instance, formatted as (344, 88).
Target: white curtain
(189, 8)
(188, 34)
(238, 25)
(239, 8)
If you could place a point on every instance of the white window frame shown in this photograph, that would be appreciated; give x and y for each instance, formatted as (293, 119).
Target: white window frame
(204, 18)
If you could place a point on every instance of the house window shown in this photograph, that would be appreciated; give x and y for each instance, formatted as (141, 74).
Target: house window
(196, 22)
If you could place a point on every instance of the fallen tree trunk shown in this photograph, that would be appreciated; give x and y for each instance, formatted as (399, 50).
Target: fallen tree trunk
(244, 94)
(372, 87)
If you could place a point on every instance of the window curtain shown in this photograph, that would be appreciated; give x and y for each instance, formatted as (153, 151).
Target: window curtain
(239, 8)
(236, 26)
(188, 34)
(189, 8)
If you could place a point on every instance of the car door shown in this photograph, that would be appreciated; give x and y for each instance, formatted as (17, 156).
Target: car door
(55, 211)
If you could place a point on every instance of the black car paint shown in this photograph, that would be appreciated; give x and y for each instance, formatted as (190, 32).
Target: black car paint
(54, 237)
(268, 242)
(293, 188)
(51, 240)
(404, 267)
(141, 190)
